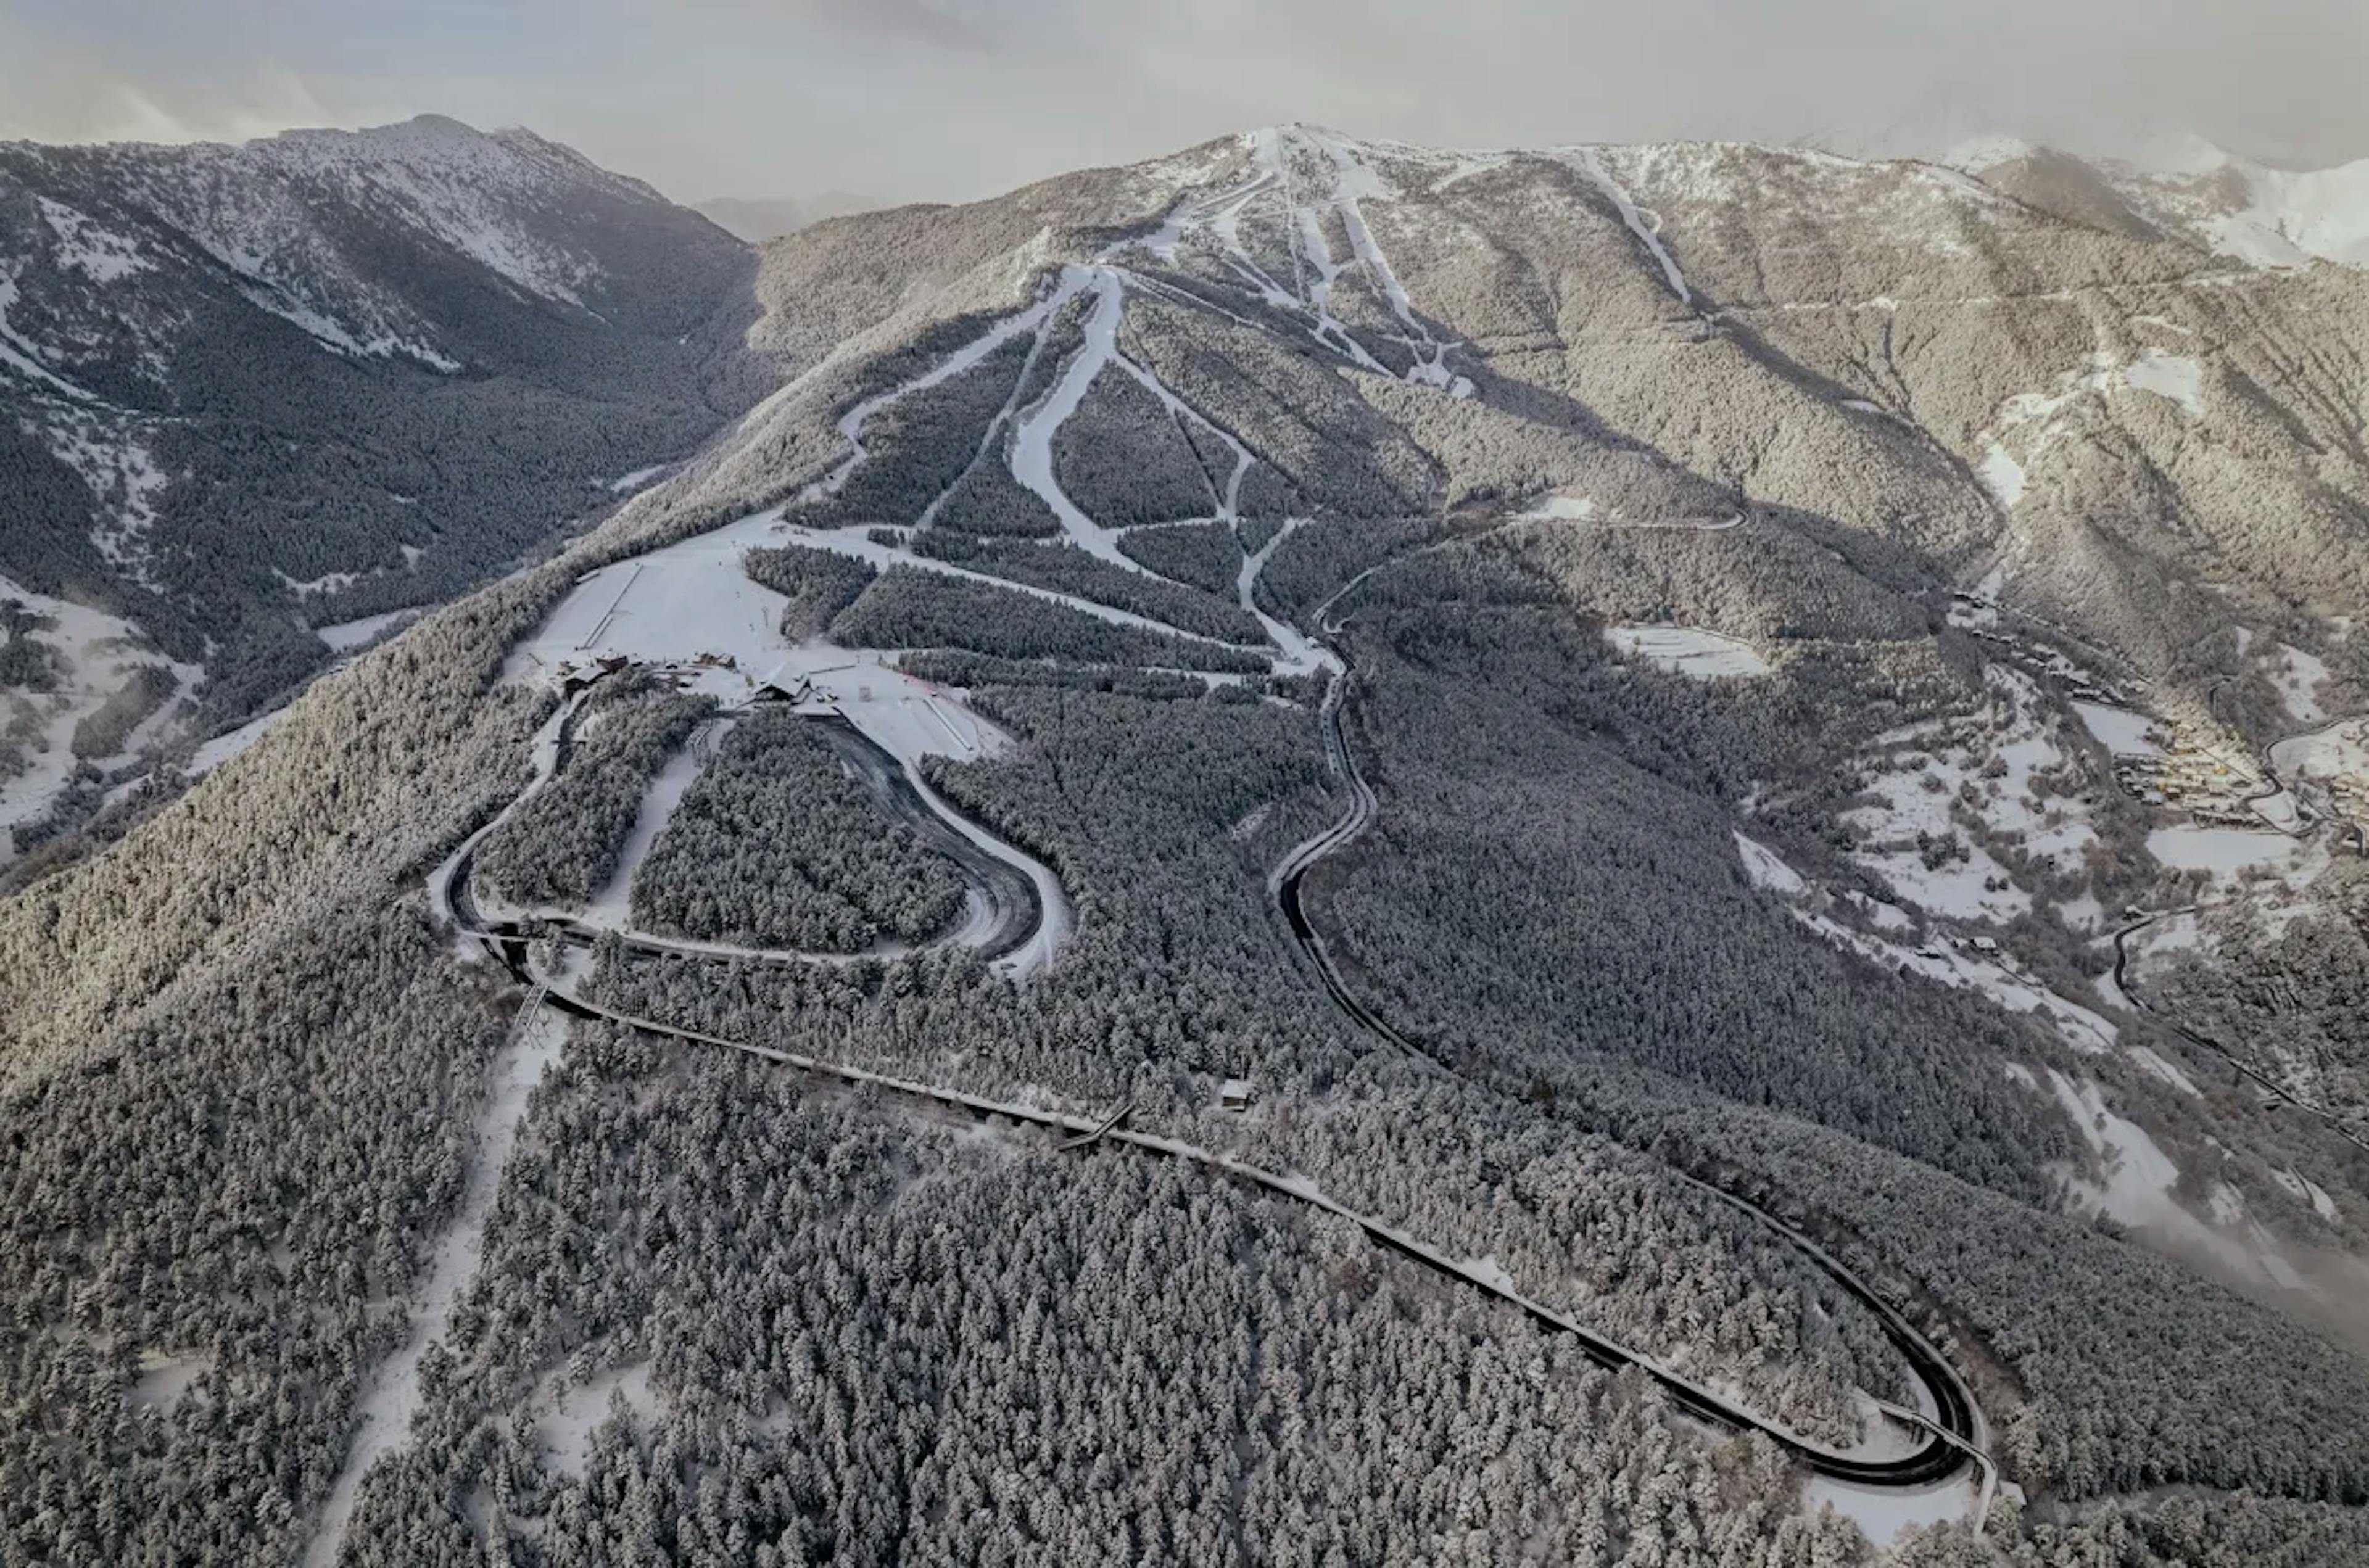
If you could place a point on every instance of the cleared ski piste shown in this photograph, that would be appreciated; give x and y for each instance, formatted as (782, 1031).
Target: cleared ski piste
(391, 1393)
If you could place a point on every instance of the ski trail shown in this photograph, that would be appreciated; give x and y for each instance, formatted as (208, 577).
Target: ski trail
(613, 903)
(1300, 655)
(991, 443)
(1584, 160)
(1032, 447)
(854, 540)
(391, 1395)
(967, 357)
(1351, 175)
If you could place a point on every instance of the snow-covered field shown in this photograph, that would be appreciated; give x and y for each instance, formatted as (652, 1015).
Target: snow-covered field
(1558, 509)
(2229, 854)
(1944, 959)
(2139, 1189)
(1992, 768)
(1881, 1513)
(2119, 730)
(1686, 650)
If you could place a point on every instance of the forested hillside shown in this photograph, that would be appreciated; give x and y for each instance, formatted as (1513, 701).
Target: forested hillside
(1313, 852)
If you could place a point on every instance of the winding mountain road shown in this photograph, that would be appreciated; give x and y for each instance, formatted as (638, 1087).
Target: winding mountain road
(1954, 1409)
(1955, 1420)
(2123, 984)
(1017, 918)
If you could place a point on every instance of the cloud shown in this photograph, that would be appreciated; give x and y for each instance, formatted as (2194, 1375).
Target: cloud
(950, 98)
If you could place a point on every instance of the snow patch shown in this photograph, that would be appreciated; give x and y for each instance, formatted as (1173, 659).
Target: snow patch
(565, 1433)
(2155, 1064)
(1882, 1513)
(2001, 474)
(163, 1380)
(1766, 869)
(347, 635)
(96, 655)
(2174, 376)
(1558, 509)
(626, 484)
(1689, 651)
(83, 247)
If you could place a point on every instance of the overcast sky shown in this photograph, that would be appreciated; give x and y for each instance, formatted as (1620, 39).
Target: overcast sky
(951, 98)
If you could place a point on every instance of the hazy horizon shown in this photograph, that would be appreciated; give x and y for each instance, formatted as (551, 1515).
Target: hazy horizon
(952, 99)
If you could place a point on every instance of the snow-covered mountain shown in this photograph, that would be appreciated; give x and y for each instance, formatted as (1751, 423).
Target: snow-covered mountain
(259, 389)
(1449, 741)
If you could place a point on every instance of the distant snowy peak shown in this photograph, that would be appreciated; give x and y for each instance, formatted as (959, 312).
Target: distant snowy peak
(2185, 185)
(2181, 186)
(2265, 216)
(379, 244)
(258, 207)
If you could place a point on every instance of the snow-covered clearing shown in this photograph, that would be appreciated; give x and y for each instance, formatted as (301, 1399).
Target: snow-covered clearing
(391, 1395)
(1764, 868)
(96, 655)
(165, 1378)
(1944, 960)
(2119, 730)
(626, 484)
(2175, 376)
(2138, 1191)
(566, 1431)
(2154, 944)
(2298, 676)
(2227, 853)
(82, 245)
(2030, 424)
(1558, 509)
(1883, 1511)
(1997, 768)
(1690, 651)
(2001, 474)
(2155, 1064)
(347, 635)
(231, 742)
